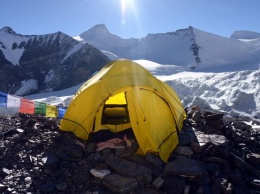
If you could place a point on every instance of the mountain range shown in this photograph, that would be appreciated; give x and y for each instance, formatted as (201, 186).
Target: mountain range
(57, 61)
(189, 48)
(45, 62)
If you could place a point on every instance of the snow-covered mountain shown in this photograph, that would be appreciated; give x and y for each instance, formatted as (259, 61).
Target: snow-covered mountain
(189, 48)
(231, 84)
(232, 93)
(34, 63)
(244, 34)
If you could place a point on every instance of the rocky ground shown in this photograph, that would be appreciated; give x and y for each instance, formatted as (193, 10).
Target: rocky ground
(215, 154)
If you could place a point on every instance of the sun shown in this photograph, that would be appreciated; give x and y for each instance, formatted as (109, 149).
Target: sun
(126, 6)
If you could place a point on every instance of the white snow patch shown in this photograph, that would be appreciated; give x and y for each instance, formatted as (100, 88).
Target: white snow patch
(10, 50)
(73, 50)
(27, 86)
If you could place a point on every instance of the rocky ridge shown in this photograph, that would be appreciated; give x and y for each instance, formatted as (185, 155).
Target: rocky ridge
(49, 62)
(215, 154)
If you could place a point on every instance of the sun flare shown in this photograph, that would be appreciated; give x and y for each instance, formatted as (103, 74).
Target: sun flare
(127, 7)
(123, 6)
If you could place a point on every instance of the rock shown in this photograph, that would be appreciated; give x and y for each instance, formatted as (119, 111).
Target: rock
(120, 184)
(61, 186)
(173, 184)
(215, 124)
(185, 167)
(243, 165)
(4, 172)
(195, 146)
(215, 160)
(39, 158)
(241, 125)
(254, 182)
(90, 147)
(81, 176)
(51, 164)
(210, 116)
(48, 187)
(253, 158)
(196, 117)
(224, 185)
(184, 138)
(158, 182)
(74, 151)
(183, 150)
(154, 159)
(131, 169)
(138, 159)
(100, 173)
(3, 188)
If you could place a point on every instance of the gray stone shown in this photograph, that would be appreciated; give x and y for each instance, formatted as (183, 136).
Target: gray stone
(48, 187)
(173, 184)
(120, 184)
(81, 177)
(203, 139)
(128, 168)
(184, 166)
(75, 151)
(243, 165)
(217, 139)
(141, 160)
(4, 172)
(183, 150)
(213, 116)
(51, 164)
(158, 182)
(195, 146)
(225, 186)
(196, 117)
(90, 147)
(154, 159)
(184, 138)
(253, 158)
(241, 125)
(61, 186)
(215, 124)
(3, 188)
(215, 160)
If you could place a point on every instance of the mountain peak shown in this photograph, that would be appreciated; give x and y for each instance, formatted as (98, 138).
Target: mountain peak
(7, 30)
(100, 28)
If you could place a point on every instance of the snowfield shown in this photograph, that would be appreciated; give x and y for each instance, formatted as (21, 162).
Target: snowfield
(233, 93)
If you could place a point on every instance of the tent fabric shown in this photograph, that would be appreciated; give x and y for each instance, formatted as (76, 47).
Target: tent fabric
(154, 108)
(40, 108)
(3, 99)
(26, 106)
(13, 101)
(51, 111)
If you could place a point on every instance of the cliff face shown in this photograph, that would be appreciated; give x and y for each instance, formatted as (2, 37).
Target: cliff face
(51, 62)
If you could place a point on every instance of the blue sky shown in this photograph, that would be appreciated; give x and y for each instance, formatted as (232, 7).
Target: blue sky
(129, 18)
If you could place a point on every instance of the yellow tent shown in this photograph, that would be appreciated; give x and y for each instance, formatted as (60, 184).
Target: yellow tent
(124, 95)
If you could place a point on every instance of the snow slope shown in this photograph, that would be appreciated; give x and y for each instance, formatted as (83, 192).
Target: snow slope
(233, 93)
(187, 48)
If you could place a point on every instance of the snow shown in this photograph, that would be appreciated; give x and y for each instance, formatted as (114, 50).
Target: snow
(73, 50)
(227, 80)
(233, 93)
(10, 51)
(177, 48)
(27, 85)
